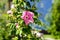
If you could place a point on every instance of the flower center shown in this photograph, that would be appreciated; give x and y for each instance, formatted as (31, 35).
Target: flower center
(26, 16)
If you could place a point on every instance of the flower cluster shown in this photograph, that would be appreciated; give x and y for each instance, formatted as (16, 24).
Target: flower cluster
(27, 16)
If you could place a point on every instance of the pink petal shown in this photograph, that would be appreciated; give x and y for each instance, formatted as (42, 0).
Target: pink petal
(31, 14)
(23, 15)
(31, 20)
(26, 22)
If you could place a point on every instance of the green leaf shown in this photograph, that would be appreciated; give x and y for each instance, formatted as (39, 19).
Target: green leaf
(15, 38)
(34, 7)
(28, 4)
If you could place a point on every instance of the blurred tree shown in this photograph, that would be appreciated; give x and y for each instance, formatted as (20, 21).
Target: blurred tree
(3, 6)
(55, 19)
(3, 18)
(9, 4)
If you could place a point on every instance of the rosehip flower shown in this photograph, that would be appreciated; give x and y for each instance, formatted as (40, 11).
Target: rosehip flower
(27, 16)
(9, 12)
(12, 6)
(39, 34)
(16, 24)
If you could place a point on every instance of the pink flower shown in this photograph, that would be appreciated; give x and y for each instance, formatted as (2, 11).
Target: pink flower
(9, 12)
(12, 6)
(27, 16)
(16, 24)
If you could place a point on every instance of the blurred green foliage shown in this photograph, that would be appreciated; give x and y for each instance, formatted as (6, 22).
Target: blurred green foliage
(54, 19)
(3, 6)
(8, 29)
(3, 18)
